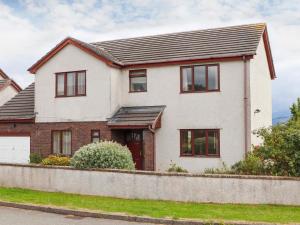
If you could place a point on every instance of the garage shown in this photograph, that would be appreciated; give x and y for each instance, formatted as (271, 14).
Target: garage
(14, 149)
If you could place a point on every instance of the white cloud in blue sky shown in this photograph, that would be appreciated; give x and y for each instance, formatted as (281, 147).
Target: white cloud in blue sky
(29, 28)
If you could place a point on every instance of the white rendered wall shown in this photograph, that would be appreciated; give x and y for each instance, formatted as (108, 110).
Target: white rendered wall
(95, 106)
(215, 110)
(158, 186)
(6, 94)
(260, 93)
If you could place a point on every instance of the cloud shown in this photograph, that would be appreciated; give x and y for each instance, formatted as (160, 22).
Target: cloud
(33, 27)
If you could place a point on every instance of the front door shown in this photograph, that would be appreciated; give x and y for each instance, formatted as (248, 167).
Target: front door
(134, 141)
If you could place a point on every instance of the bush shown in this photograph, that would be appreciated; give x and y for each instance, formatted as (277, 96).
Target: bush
(223, 170)
(252, 165)
(281, 149)
(35, 158)
(56, 160)
(280, 152)
(176, 169)
(105, 155)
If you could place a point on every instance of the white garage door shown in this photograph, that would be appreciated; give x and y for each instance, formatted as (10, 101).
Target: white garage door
(14, 149)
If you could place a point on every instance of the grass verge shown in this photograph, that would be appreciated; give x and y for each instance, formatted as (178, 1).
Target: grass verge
(157, 209)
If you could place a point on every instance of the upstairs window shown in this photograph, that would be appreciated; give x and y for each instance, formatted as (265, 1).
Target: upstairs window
(199, 142)
(200, 78)
(71, 84)
(137, 81)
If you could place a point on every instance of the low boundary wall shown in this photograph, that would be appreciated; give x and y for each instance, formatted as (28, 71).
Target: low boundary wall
(154, 185)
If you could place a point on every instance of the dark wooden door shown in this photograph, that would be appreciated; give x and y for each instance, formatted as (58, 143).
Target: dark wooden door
(134, 141)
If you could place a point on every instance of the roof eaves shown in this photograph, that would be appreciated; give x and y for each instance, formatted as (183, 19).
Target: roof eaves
(90, 49)
(269, 53)
(12, 82)
(213, 58)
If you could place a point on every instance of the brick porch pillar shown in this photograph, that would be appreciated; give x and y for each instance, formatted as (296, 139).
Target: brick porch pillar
(149, 150)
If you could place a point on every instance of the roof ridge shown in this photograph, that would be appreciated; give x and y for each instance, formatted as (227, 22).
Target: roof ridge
(98, 47)
(182, 32)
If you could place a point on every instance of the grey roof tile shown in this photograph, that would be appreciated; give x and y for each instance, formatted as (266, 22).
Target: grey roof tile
(209, 43)
(137, 115)
(19, 107)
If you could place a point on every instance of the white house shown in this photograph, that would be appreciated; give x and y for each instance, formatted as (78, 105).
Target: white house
(192, 98)
(8, 88)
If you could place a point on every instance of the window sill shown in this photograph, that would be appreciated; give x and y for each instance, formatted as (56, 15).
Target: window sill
(200, 156)
(189, 92)
(137, 91)
(70, 96)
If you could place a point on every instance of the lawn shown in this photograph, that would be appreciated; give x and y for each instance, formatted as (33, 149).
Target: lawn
(157, 209)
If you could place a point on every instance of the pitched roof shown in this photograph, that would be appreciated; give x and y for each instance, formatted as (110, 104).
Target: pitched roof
(8, 81)
(208, 43)
(20, 107)
(137, 116)
(226, 42)
(97, 52)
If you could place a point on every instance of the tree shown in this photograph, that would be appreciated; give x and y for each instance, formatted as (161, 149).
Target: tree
(295, 110)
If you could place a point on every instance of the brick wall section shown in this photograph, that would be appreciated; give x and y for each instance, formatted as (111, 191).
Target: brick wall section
(149, 150)
(81, 134)
(40, 134)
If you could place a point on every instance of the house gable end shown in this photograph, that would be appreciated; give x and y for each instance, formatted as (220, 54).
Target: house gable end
(81, 45)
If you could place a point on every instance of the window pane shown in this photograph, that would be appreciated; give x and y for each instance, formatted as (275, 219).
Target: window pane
(200, 142)
(95, 139)
(138, 83)
(71, 84)
(199, 78)
(56, 142)
(213, 142)
(95, 135)
(139, 73)
(81, 83)
(66, 142)
(60, 84)
(186, 79)
(186, 142)
(213, 78)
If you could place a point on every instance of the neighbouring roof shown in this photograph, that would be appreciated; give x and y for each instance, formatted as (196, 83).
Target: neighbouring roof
(20, 107)
(137, 116)
(8, 81)
(226, 42)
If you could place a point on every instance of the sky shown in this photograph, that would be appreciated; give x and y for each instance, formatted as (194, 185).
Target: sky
(30, 28)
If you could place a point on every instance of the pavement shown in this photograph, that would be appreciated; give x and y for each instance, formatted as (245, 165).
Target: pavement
(14, 216)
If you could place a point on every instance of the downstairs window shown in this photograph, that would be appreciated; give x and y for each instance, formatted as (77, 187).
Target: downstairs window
(200, 142)
(62, 142)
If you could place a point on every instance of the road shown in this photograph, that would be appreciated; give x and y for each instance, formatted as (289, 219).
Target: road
(12, 216)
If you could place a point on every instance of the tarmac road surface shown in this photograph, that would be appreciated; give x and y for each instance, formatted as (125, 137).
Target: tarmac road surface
(13, 216)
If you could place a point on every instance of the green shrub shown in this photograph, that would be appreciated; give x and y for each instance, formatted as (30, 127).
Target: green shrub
(223, 170)
(251, 165)
(56, 160)
(281, 149)
(35, 158)
(280, 152)
(104, 154)
(176, 169)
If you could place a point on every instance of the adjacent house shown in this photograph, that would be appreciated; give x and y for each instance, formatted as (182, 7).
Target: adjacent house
(192, 98)
(8, 88)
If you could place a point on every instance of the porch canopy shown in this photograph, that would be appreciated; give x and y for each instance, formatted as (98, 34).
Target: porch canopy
(137, 117)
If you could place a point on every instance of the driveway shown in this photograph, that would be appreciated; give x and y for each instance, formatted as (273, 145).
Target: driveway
(12, 216)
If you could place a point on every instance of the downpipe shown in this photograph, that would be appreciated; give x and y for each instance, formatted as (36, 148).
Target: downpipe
(246, 99)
